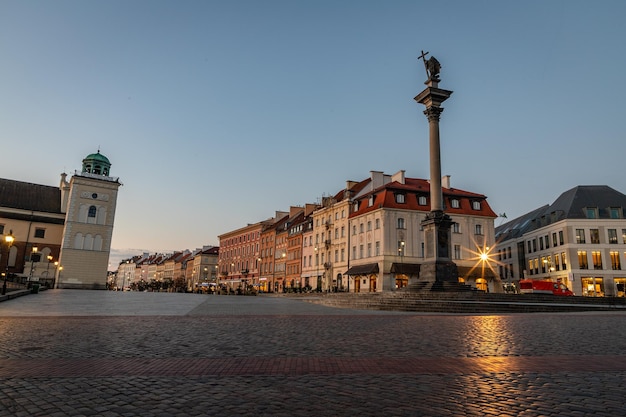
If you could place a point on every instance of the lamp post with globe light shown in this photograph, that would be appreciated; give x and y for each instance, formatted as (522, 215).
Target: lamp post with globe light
(9, 240)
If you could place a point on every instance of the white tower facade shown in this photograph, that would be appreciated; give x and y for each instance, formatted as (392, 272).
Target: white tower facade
(89, 200)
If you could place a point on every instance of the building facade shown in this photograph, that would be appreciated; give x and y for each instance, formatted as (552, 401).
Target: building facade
(387, 242)
(62, 235)
(579, 240)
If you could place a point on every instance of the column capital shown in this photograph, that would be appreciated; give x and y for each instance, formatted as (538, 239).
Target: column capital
(433, 113)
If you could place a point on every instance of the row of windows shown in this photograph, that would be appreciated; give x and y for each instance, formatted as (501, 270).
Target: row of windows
(596, 259)
(545, 264)
(614, 212)
(87, 242)
(594, 236)
(92, 214)
(544, 242)
(38, 233)
(421, 200)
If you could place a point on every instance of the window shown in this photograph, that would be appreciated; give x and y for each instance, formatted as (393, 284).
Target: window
(1, 229)
(401, 244)
(563, 261)
(454, 203)
(547, 240)
(557, 262)
(592, 212)
(369, 250)
(353, 252)
(354, 229)
(370, 201)
(540, 243)
(377, 223)
(544, 264)
(343, 231)
(476, 205)
(594, 235)
(478, 229)
(40, 233)
(377, 248)
(615, 212)
(361, 253)
(580, 235)
(343, 254)
(421, 200)
(369, 226)
(336, 233)
(561, 241)
(596, 256)
(554, 241)
(456, 228)
(457, 251)
(336, 255)
(401, 223)
(400, 198)
(612, 236)
(361, 228)
(615, 263)
(529, 247)
(530, 266)
(534, 245)
(582, 259)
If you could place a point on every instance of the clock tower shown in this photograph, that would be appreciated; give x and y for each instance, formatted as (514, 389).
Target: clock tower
(88, 200)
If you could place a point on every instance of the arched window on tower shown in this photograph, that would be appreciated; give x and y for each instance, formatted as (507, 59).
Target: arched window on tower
(97, 243)
(88, 244)
(78, 241)
(91, 214)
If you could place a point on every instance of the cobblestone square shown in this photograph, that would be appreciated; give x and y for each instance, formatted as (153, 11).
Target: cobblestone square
(97, 353)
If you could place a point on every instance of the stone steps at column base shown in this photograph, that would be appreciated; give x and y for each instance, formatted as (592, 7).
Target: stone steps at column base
(470, 304)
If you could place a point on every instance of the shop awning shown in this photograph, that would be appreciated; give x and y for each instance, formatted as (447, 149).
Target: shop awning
(468, 272)
(402, 268)
(366, 269)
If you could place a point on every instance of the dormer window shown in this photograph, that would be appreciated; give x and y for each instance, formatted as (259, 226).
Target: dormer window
(356, 206)
(370, 201)
(615, 212)
(400, 198)
(476, 205)
(455, 203)
(592, 212)
(421, 200)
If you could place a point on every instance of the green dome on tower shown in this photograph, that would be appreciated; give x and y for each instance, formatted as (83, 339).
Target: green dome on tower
(96, 163)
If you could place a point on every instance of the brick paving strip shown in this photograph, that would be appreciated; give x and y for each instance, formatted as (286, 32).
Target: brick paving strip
(288, 366)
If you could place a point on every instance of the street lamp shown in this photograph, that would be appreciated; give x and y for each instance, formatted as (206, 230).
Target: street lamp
(59, 276)
(317, 270)
(49, 257)
(9, 240)
(56, 268)
(284, 255)
(32, 264)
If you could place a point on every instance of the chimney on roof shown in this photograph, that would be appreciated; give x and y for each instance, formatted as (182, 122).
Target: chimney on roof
(445, 181)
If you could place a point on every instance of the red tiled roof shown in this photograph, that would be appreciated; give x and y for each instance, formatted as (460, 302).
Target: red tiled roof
(385, 196)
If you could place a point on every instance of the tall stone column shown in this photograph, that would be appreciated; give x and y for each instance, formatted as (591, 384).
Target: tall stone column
(438, 266)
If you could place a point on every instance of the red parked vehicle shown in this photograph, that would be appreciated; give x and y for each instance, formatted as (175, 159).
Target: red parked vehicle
(531, 286)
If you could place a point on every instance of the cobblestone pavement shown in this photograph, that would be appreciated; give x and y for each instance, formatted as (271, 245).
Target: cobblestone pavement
(96, 353)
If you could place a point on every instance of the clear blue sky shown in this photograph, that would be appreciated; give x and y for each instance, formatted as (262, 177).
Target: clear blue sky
(216, 114)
